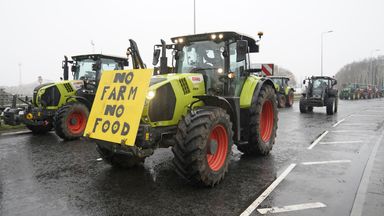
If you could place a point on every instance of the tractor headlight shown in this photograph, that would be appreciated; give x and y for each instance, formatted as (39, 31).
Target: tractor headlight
(151, 95)
(213, 36)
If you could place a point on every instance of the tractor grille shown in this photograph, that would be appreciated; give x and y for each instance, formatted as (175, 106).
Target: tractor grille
(184, 86)
(161, 109)
(51, 97)
(68, 87)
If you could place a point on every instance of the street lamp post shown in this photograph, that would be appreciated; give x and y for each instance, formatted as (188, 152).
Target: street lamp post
(322, 35)
(194, 16)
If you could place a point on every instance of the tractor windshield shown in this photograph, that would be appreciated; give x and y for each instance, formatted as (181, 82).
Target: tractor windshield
(201, 57)
(85, 68)
(277, 81)
(206, 58)
(320, 83)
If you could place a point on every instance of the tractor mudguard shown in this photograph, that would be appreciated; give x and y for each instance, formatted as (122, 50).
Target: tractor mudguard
(288, 89)
(80, 99)
(252, 86)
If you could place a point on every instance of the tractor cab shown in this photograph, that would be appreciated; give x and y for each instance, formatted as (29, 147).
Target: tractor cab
(89, 67)
(221, 57)
(319, 86)
(281, 82)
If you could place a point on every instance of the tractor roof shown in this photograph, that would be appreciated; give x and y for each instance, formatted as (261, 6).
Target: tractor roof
(322, 77)
(98, 56)
(279, 77)
(227, 35)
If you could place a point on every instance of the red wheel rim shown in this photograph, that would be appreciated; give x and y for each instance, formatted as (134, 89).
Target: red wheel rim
(76, 122)
(217, 160)
(266, 121)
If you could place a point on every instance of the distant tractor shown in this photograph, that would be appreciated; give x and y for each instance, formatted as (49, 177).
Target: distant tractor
(319, 92)
(285, 93)
(207, 101)
(366, 91)
(351, 92)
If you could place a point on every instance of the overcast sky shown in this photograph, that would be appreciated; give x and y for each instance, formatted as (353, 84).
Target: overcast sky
(38, 33)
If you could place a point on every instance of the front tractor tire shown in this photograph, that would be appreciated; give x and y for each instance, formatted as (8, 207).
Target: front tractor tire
(203, 144)
(281, 100)
(331, 106)
(70, 120)
(40, 129)
(263, 123)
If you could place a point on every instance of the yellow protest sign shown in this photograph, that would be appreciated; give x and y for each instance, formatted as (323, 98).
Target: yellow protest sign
(118, 106)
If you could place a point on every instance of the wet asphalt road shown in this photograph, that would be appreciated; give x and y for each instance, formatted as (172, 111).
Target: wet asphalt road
(42, 175)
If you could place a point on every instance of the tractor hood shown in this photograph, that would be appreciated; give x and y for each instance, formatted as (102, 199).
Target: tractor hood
(50, 94)
(169, 95)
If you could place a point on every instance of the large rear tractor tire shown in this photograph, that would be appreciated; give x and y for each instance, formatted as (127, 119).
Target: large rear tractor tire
(203, 144)
(70, 120)
(281, 100)
(40, 129)
(127, 160)
(330, 104)
(263, 123)
(290, 99)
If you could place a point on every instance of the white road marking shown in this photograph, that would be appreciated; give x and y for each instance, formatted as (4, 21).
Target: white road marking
(377, 111)
(326, 162)
(358, 204)
(340, 142)
(99, 159)
(352, 131)
(292, 208)
(267, 191)
(337, 123)
(359, 124)
(365, 115)
(317, 140)
(15, 133)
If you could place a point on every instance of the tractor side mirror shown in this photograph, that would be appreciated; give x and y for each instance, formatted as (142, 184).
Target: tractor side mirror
(241, 48)
(73, 68)
(156, 56)
(334, 82)
(65, 67)
(126, 63)
(304, 82)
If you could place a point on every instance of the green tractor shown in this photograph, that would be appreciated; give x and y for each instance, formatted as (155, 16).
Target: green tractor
(319, 92)
(204, 103)
(351, 92)
(285, 93)
(65, 105)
